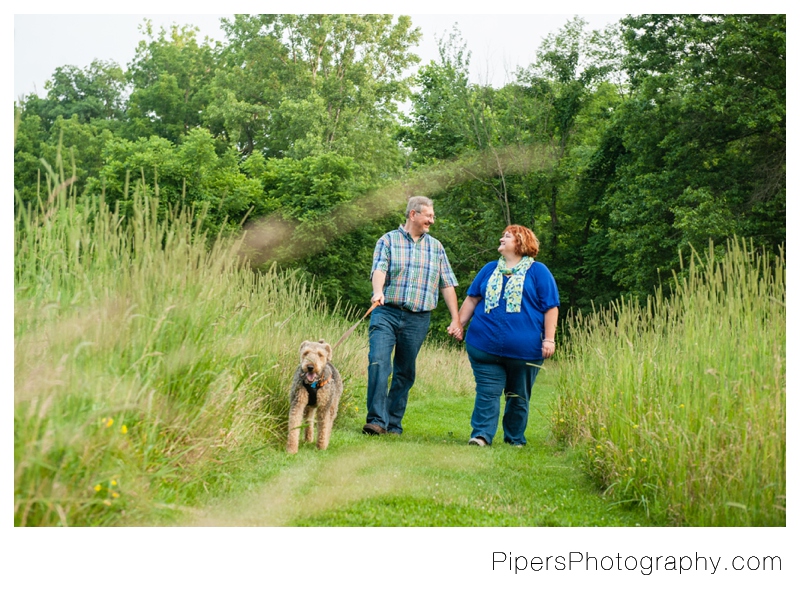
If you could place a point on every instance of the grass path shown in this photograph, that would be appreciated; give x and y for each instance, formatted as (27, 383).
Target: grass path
(426, 477)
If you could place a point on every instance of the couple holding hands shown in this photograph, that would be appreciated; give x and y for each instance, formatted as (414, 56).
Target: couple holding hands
(511, 308)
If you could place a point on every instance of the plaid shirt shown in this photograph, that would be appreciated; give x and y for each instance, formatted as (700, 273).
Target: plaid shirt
(415, 271)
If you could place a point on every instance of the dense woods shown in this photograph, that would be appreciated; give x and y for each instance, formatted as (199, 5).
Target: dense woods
(620, 148)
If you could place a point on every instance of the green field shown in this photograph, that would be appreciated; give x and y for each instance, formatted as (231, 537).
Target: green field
(151, 371)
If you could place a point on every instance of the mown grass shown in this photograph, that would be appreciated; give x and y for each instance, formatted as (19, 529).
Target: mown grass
(150, 378)
(148, 361)
(428, 476)
(151, 369)
(680, 404)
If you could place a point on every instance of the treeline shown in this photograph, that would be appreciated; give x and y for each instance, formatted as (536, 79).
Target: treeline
(620, 148)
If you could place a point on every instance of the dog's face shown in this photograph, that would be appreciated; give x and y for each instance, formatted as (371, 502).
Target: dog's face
(313, 358)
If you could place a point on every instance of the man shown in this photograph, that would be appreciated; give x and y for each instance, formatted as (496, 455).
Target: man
(408, 268)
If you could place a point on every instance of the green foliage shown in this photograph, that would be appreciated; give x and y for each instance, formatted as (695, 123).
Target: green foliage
(92, 93)
(618, 147)
(704, 139)
(147, 362)
(297, 85)
(305, 193)
(171, 76)
(190, 174)
(680, 404)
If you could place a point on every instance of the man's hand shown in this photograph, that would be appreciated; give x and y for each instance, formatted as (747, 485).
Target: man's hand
(378, 296)
(456, 330)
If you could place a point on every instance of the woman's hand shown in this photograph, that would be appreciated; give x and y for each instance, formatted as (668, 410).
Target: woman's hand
(548, 348)
(456, 330)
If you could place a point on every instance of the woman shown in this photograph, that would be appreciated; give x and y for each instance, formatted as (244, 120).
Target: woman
(513, 308)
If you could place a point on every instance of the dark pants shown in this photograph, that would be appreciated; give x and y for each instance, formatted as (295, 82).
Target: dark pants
(403, 331)
(493, 376)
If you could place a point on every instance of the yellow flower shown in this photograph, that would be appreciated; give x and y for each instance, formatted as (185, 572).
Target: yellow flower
(680, 406)
(115, 494)
(109, 423)
(124, 429)
(561, 420)
(636, 426)
(98, 488)
(630, 450)
(644, 459)
(356, 408)
(113, 482)
(599, 447)
(602, 428)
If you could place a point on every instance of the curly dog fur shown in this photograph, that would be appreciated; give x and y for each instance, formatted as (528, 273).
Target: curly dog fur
(315, 370)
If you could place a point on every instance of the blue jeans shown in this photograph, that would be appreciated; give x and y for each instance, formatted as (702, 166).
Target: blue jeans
(493, 376)
(402, 331)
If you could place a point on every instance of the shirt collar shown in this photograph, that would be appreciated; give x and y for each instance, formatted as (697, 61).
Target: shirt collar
(408, 235)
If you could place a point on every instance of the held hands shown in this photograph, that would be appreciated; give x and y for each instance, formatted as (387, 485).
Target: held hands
(456, 330)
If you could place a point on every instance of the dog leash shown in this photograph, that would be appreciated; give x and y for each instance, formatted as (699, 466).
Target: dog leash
(355, 325)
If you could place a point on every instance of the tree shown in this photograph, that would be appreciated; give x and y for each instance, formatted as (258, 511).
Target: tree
(188, 175)
(702, 140)
(557, 110)
(300, 85)
(93, 93)
(171, 75)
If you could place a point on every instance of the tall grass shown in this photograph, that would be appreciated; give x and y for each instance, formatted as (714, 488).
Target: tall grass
(680, 404)
(147, 359)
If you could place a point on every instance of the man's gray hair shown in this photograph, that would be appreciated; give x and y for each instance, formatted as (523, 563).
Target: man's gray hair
(417, 203)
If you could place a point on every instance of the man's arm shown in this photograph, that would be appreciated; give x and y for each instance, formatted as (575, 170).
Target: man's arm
(464, 315)
(455, 328)
(378, 280)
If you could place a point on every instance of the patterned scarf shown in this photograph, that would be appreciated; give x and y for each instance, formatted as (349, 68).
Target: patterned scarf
(514, 285)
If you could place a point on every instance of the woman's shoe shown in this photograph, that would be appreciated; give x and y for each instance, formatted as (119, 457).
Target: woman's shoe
(478, 441)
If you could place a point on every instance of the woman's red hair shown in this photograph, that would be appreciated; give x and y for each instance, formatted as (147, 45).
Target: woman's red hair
(526, 241)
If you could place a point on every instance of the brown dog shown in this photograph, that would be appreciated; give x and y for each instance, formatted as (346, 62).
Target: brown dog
(316, 390)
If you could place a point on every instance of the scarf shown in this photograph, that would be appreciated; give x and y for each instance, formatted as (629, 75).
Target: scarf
(514, 286)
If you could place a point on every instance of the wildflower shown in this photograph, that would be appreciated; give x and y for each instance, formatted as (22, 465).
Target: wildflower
(635, 426)
(630, 450)
(356, 408)
(115, 494)
(630, 469)
(644, 459)
(599, 447)
(113, 482)
(602, 428)
(108, 422)
(98, 488)
(681, 406)
(561, 420)
(124, 429)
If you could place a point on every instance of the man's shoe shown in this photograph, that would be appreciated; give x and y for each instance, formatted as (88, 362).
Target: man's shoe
(479, 441)
(373, 429)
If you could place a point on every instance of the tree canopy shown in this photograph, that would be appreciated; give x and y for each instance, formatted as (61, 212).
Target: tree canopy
(620, 148)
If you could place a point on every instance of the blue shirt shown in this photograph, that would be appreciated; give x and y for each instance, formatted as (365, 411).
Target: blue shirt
(513, 335)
